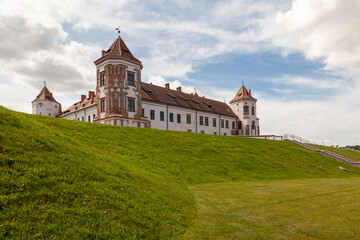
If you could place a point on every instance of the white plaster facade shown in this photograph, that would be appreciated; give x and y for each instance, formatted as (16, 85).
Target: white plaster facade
(45, 108)
(176, 119)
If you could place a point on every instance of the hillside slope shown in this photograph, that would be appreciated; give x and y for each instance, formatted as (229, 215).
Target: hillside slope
(69, 179)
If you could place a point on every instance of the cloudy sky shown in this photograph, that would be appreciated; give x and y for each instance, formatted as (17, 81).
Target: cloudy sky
(301, 58)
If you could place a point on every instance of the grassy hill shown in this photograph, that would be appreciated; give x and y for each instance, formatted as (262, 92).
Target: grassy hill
(350, 154)
(62, 179)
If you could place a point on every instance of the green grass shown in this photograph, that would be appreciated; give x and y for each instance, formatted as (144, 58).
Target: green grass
(292, 209)
(350, 154)
(62, 179)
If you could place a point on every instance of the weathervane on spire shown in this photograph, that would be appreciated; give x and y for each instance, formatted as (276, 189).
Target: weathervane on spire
(44, 83)
(118, 30)
(243, 82)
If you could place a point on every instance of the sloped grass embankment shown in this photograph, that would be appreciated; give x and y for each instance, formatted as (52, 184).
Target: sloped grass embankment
(74, 180)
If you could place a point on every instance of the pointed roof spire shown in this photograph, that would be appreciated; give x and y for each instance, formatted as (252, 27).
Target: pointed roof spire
(118, 50)
(242, 94)
(45, 95)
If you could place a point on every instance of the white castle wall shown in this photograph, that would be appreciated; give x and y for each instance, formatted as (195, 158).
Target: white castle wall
(194, 126)
(45, 108)
(86, 114)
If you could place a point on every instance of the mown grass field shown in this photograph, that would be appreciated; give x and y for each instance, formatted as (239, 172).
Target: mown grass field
(62, 179)
(280, 209)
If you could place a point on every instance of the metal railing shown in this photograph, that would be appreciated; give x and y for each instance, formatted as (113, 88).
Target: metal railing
(297, 138)
(342, 152)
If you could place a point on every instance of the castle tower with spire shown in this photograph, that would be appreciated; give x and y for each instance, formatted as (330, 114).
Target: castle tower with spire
(45, 104)
(118, 87)
(244, 106)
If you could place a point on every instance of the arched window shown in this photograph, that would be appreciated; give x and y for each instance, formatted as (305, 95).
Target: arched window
(252, 110)
(253, 125)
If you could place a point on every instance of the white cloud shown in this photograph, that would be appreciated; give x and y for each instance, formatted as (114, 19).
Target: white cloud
(308, 82)
(322, 29)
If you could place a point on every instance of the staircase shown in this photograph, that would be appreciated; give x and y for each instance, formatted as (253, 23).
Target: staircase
(328, 154)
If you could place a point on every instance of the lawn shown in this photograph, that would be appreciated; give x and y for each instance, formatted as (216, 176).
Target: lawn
(285, 209)
(63, 179)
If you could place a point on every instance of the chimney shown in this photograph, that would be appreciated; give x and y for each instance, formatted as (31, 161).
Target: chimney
(60, 111)
(91, 94)
(178, 89)
(167, 85)
(250, 92)
(83, 97)
(103, 53)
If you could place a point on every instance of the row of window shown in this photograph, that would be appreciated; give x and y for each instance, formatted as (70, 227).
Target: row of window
(89, 118)
(224, 123)
(130, 79)
(246, 110)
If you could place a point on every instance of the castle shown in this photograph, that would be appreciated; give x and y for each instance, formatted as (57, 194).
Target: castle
(122, 99)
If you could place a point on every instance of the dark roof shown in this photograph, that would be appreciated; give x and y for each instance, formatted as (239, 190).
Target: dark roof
(193, 101)
(45, 95)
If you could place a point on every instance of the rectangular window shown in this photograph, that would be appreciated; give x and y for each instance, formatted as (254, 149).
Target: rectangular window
(89, 118)
(102, 79)
(171, 117)
(246, 110)
(143, 112)
(206, 121)
(178, 118)
(152, 114)
(188, 118)
(252, 110)
(222, 123)
(253, 125)
(131, 79)
(82, 118)
(131, 105)
(201, 120)
(102, 105)
(227, 124)
(189, 130)
(233, 124)
(225, 134)
(202, 132)
(93, 117)
(162, 118)
(215, 133)
(214, 122)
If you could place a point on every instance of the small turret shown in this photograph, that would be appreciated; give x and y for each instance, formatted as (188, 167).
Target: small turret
(45, 104)
(244, 106)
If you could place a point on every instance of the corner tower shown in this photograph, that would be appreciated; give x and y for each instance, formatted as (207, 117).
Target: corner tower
(244, 106)
(45, 104)
(118, 87)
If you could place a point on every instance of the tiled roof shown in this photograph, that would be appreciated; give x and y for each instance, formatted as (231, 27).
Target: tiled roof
(167, 96)
(162, 95)
(87, 102)
(45, 95)
(119, 49)
(243, 94)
